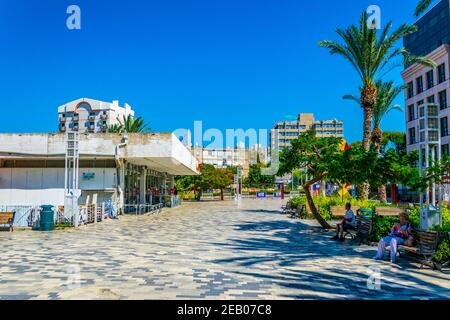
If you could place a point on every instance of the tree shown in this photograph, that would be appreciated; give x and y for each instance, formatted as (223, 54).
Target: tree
(422, 6)
(212, 178)
(129, 124)
(322, 160)
(387, 93)
(255, 178)
(372, 54)
(396, 140)
(224, 177)
(320, 157)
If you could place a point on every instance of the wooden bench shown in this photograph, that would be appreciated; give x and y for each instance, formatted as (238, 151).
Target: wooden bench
(388, 211)
(300, 212)
(7, 218)
(287, 209)
(425, 245)
(339, 211)
(364, 226)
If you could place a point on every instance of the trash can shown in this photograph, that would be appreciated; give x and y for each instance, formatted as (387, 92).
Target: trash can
(366, 212)
(46, 222)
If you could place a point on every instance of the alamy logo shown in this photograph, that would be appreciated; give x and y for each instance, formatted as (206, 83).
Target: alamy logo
(374, 279)
(374, 17)
(74, 277)
(73, 22)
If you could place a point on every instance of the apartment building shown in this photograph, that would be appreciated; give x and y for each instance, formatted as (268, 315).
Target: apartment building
(424, 84)
(223, 157)
(284, 132)
(91, 116)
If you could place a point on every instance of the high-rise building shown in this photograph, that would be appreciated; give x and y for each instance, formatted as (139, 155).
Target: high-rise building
(424, 84)
(89, 115)
(284, 132)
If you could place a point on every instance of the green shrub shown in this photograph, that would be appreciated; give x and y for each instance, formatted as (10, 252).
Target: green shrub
(297, 201)
(381, 227)
(442, 253)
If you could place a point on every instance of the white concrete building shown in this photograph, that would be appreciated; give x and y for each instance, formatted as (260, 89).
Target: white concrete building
(132, 169)
(89, 115)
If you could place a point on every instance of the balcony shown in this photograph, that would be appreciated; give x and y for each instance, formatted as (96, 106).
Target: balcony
(62, 118)
(103, 116)
(62, 129)
(76, 117)
(91, 117)
(75, 128)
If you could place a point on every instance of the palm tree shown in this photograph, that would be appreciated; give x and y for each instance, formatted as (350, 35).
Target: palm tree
(422, 6)
(372, 54)
(115, 128)
(387, 92)
(129, 124)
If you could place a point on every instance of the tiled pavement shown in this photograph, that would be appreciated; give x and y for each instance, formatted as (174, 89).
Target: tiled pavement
(203, 250)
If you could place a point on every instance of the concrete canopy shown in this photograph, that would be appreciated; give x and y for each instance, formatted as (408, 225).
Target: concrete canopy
(161, 152)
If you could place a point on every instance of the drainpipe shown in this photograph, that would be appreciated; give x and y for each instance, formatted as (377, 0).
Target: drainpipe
(119, 167)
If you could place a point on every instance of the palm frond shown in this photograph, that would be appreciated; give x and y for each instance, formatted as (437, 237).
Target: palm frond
(422, 6)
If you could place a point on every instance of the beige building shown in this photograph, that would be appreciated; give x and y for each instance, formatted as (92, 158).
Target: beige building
(284, 132)
(91, 116)
(224, 157)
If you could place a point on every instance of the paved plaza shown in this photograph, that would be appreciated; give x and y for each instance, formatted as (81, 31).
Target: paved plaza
(209, 250)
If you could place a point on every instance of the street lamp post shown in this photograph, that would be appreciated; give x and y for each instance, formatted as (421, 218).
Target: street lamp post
(429, 153)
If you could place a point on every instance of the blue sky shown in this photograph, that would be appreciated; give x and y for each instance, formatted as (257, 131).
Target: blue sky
(230, 63)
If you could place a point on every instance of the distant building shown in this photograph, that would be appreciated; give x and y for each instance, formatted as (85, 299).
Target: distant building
(223, 157)
(261, 152)
(425, 84)
(91, 116)
(284, 132)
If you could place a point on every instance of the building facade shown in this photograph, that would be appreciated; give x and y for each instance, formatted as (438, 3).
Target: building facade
(223, 157)
(424, 84)
(89, 115)
(127, 170)
(284, 132)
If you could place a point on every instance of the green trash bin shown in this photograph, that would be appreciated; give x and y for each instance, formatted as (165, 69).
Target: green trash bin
(46, 222)
(366, 212)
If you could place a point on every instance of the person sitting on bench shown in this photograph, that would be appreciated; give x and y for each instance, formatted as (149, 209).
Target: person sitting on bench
(401, 234)
(348, 223)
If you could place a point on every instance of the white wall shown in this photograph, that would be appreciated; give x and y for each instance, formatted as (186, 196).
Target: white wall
(37, 186)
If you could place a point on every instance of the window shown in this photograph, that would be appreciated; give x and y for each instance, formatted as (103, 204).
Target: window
(444, 127)
(430, 99)
(412, 135)
(443, 100)
(410, 87)
(445, 150)
(419, 85)
(420, 102)
(441, 73)
(411, 115)
(430, 79)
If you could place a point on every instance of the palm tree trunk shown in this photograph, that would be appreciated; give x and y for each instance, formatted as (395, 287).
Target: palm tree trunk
(377, 136)
(368, 100)
(382, 193)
